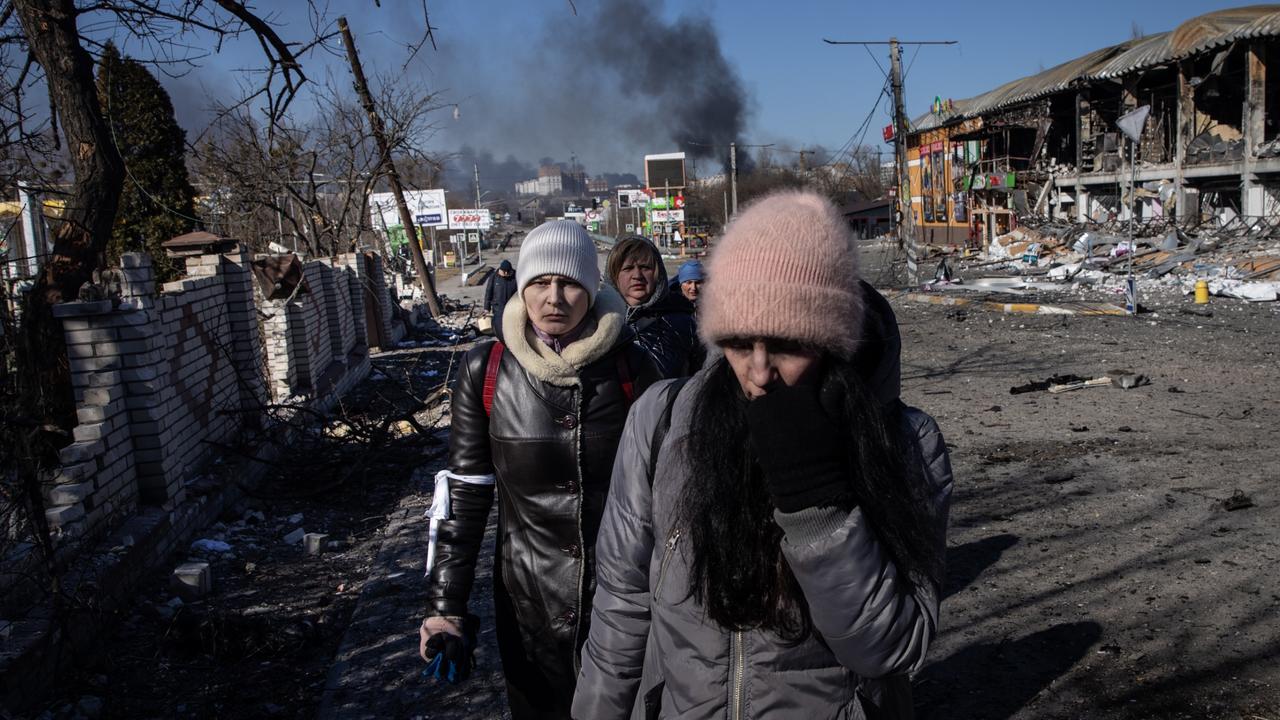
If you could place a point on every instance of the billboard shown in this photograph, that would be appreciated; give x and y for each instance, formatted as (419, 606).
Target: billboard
(671, 216)
(664, 170)
(427, 207)
(468, 219)
(632, 198)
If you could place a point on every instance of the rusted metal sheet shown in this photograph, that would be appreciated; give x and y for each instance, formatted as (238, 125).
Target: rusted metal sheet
(279, 276)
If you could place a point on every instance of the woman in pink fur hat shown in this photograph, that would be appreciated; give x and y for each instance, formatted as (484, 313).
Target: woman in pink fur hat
(774, 536)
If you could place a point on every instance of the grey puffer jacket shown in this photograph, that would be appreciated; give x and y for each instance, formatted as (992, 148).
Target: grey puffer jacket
(652, 654)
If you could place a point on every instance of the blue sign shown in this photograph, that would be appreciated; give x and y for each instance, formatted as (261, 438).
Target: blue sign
(429, 219)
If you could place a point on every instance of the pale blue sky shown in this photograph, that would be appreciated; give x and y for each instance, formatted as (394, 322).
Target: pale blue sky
(508, 64)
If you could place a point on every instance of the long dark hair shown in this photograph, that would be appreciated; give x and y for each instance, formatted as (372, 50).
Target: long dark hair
(737, 571)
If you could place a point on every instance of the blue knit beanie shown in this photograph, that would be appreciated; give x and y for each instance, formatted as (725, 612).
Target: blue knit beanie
(691, 270)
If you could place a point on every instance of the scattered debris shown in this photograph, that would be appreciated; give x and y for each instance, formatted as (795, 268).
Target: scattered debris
(314, 543)
(1080, 385)
(1238, 501)
(210, 546)
(1066, 383)
(1042, 385)
(1238, 257)
(1126, 379)
(191, 580)
(295, 537)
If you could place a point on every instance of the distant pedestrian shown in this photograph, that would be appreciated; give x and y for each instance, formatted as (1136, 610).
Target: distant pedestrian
(662, 320)
(499, 289)
(536, 419)
(689, 279)
(773, 543)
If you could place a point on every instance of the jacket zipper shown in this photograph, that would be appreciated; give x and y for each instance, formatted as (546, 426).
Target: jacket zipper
(666, 558)
(582, 560)
(738, 654)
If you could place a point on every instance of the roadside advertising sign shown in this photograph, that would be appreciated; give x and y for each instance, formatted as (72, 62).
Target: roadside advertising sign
(469, 219)
(671, 216)
(632, 198)
(423, 206)
(658, 203)
(679, 201)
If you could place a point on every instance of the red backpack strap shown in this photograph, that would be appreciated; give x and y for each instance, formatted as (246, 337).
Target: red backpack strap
(624, 377)
(491, 375)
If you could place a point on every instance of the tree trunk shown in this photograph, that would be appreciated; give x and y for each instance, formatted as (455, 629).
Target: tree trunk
(50, 28)
(81, 238)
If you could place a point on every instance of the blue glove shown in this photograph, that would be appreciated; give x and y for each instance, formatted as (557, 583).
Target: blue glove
(450, 656)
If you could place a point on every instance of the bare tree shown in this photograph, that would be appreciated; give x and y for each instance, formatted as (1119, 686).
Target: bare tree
(311, 181)
(50, 108)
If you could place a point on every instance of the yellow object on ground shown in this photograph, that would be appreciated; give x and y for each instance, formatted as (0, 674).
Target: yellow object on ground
(1202, 292)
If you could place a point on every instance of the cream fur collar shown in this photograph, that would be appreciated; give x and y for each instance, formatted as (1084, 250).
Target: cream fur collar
(562, 370)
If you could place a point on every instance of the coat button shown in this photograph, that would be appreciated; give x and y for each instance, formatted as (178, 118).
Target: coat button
(569, 421)
(572, 550)
(569, 617)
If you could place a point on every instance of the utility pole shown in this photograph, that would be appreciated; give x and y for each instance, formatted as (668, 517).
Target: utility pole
(479, 232)
(733, 174)
(907, 228)
(907, 236)
(384, 151)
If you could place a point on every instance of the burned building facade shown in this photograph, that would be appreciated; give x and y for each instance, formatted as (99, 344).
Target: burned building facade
(1047, 146)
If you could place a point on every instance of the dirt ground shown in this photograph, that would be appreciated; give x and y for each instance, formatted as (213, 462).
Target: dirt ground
(1097, 568)
(261, 645)
(1110, 550)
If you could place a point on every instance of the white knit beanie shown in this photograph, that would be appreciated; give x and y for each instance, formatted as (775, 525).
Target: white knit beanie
(559, 247)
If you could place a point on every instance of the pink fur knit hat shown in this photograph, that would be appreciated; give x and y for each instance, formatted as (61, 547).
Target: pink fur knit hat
(787, 268)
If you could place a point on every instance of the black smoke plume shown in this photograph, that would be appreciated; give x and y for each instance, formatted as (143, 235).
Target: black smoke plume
(674, 68)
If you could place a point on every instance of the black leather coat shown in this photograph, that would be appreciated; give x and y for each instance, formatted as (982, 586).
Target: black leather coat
(552, 449)
(665, 326)
(668, 331)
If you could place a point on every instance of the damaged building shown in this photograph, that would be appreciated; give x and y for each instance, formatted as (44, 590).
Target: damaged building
(1047, 146)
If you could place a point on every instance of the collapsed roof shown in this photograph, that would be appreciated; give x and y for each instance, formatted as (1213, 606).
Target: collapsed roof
(1197, 35)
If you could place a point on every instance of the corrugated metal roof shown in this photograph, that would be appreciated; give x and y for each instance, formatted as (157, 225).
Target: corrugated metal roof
(1194, 36)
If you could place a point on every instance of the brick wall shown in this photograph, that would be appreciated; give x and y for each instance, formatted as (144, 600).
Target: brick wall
(161, 382)
(158, 381)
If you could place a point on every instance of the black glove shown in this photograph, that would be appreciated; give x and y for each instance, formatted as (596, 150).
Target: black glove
(800, 448)
(450, 656)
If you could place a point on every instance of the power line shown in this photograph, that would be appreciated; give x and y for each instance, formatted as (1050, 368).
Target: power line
(888, 42)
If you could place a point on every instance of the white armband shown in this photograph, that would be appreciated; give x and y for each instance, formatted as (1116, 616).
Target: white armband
(440, 509)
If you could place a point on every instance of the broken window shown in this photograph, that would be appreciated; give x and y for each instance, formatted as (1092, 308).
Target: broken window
(1219, 84)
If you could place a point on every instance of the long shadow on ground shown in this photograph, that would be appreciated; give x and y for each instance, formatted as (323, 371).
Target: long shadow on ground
(993, 681)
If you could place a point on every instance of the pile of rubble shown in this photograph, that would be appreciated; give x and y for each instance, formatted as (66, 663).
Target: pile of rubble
(1237, 259)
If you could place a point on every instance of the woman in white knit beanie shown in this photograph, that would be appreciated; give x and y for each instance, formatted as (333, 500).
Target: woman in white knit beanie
(537, 417)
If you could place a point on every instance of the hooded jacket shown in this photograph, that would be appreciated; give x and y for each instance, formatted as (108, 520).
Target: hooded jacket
(498, 290)
(548, 445)
(653, 654)
(665, 327)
